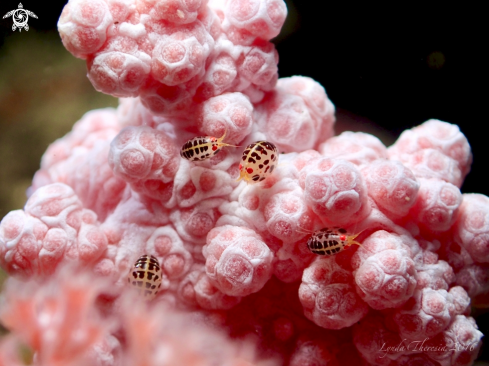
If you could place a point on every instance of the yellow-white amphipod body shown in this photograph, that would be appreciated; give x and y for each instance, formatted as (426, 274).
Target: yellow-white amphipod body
(258, 161)
(146, 276)
(202, 147)
(330, 241)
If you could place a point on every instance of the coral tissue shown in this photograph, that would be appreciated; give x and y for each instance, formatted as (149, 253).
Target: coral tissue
(239, 285)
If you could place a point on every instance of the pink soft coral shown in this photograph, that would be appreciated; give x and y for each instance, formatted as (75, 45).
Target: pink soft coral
(234, 256)
(53, 227)
(57, 319)
(71, 319)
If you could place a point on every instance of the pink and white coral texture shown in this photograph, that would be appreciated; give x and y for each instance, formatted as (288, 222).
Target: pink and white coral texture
(239, 285)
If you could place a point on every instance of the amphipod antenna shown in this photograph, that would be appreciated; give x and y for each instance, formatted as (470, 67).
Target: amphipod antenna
(221, 139)
(351, 238)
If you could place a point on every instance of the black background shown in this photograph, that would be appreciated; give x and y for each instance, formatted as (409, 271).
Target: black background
(396, 65)
(375, 62)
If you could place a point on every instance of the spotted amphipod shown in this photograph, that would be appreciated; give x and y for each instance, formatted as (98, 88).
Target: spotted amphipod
(330, 241)
(146, 276)
(202, 147)
(258, 161)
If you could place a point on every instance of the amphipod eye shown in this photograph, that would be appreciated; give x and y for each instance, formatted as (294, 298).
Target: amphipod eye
(146, 276)
(258, 161)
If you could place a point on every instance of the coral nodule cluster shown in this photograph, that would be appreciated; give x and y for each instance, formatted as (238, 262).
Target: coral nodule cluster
(238, 282)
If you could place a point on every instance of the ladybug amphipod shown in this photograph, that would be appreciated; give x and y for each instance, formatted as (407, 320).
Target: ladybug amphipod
(330, 241)
(258, 161)
(202, 147)
(146, 276)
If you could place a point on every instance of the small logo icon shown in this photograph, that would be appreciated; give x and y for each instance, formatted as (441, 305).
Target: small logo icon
(20, 17)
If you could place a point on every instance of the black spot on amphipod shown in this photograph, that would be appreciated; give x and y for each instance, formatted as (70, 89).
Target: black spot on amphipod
(255, 155)
(260, 166)
(343, 231)
(251, 160)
